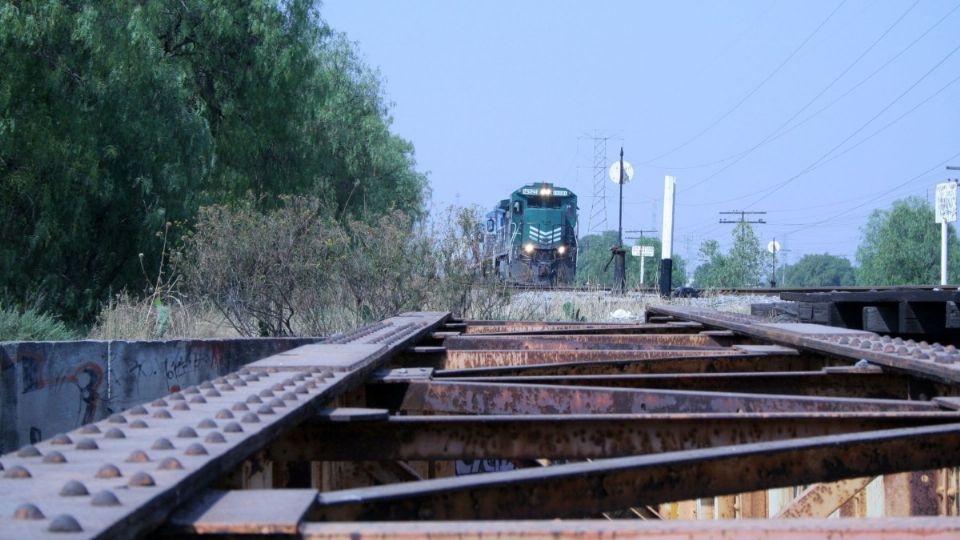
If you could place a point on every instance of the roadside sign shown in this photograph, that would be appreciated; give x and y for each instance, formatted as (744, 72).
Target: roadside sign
(946, 207)
(641, 251)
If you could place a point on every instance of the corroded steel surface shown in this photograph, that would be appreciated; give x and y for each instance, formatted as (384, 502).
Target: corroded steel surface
(630, 481)
(800, 529)
(504, 398)
(122, 476)
(941, 363)
(568, 436)
(823, 499)
(403, 419)
(854, 383)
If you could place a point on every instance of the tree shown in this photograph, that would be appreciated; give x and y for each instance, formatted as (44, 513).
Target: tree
(819, 271)
(651, 267)
(741, 267)
(901, 246)
(594, 253)
(117, 118)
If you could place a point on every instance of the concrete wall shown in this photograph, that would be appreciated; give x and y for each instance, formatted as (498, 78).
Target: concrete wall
(52, 387)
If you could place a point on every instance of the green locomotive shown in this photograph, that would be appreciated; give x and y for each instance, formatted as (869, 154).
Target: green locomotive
(531, 238)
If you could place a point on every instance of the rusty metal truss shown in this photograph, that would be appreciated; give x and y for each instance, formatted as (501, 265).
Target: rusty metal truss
(693, 425)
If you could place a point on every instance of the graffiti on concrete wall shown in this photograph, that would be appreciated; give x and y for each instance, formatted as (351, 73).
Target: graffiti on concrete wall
(86, 377)
(477, 466)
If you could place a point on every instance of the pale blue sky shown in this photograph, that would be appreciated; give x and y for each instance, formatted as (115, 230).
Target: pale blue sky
(497, 94)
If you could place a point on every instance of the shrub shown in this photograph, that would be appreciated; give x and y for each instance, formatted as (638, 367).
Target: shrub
(294, 270)
(31, 325)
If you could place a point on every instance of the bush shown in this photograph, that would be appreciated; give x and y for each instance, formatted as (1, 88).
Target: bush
(30, 325)
(294, 270)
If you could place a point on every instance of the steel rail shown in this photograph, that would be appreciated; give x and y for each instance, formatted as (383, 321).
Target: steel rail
(931, 361)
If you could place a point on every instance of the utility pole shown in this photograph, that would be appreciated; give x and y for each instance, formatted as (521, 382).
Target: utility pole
(743, 217)
(784, 257)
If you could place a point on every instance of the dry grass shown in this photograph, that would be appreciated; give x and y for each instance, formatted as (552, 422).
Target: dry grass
(128, 318)
(602, 306)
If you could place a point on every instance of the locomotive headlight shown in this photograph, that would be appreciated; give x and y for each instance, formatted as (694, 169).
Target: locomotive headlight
(546, 191)
(528, 248)
(562, 250)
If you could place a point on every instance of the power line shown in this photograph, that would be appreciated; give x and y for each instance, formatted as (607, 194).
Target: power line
(770, 136)
(847, 150)
(878, 197)
(755, 89)
(816, 163)
(816, 113)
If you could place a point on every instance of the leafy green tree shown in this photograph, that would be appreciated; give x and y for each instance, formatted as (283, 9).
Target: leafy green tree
(594, 253)
(822, 270)
(117, 118)
(651, 267)
(901, 246)
(741, 267)
(100, 145)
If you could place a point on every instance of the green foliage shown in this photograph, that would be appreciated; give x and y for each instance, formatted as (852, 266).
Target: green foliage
(572, 312)
(119, 117)
(30, 325)
(901, 246)
(819, 271)
(594, 253)
(293, 270)
(743, 266)
(651, 267)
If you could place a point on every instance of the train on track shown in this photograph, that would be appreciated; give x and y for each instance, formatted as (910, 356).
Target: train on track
(531, 238)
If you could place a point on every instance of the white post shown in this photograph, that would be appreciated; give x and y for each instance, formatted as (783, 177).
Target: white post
(943, 252)
(666, 245)
(642, 258)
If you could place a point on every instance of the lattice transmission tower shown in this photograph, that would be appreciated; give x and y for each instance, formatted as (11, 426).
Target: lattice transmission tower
(598, 208)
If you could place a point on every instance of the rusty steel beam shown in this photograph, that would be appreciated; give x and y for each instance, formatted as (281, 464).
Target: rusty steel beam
(461, 359)
(121, 477)
(911, 494)
(631, 342)
(618, 483)
(567, 436)
(487, 398)
(572, 328)
(921, 359)
(253, 512)
(823, 499)
(684, 363)
(854, 383)
(801, 529)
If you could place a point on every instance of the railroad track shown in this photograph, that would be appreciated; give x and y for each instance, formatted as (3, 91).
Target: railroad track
(423, 424)
(765, 291)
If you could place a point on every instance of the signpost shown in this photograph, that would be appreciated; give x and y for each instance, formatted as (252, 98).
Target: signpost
(945, 213)
(643, 252)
